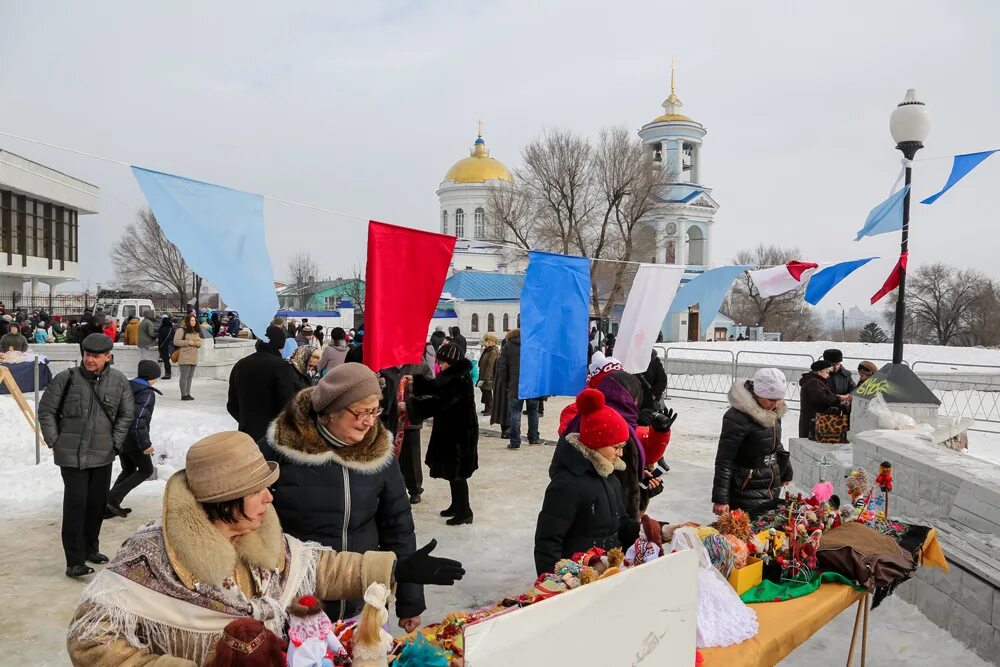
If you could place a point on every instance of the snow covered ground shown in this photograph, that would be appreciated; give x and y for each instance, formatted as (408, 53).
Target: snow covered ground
(36, 600)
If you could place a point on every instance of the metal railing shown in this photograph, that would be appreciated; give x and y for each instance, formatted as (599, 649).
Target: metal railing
(965, 390)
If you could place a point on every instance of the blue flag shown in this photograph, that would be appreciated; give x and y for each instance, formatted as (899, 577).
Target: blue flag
(707, 290)
(826, 279)
(220, 233)
(961, 166)
(555, 313)
(886, 217)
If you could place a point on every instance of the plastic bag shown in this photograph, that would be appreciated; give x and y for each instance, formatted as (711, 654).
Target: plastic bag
(888, 419)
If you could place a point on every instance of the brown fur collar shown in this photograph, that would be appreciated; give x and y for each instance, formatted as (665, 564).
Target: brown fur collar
(198, 552)
(294, 435)
(603, 466)
(741, 399)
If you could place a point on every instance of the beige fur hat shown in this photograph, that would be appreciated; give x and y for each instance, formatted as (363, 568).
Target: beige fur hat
(226, 466)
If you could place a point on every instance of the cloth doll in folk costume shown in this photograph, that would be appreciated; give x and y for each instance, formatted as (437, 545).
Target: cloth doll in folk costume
(371, 642)
(311, 640)
(247, 643)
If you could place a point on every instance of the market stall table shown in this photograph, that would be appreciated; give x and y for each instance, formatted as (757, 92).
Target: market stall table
(785, 625)
(23, 374)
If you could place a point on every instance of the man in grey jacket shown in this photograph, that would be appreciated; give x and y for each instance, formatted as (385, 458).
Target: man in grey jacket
(85, 415)
(148, 342)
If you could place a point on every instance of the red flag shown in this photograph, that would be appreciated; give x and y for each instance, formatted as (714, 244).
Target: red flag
(892, 282)
(797, 268)
(403, 281)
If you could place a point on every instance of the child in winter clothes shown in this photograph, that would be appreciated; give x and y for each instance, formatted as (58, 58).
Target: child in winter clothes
(135, 457)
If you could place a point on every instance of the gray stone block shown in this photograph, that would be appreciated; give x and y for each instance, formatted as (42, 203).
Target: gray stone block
(977, 596)
(996, 612)
(949, 582)
(936, 605)
(993, 651)
(971, 631)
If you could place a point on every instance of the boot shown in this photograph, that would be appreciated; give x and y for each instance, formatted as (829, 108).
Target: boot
(448, 512)
(460, 519)
(98, 558)
(113, 509)
(75, 571)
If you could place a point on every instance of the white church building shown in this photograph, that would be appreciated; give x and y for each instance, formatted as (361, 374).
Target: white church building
(678, 233)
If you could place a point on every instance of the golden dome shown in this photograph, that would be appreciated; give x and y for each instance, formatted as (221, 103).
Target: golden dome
(673, 103)
(479, 167)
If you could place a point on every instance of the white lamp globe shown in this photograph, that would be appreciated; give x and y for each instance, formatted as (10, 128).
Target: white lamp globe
(910, 121)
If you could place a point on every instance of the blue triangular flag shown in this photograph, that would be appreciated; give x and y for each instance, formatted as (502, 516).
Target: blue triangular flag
(826, 279)
(961, 166)
(886, 217)
(220, 233)
(707, 290)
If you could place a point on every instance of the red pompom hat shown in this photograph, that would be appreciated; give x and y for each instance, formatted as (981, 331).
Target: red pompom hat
(600, 426)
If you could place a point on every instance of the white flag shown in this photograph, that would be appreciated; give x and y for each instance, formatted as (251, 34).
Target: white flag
(780, 279)
(652, 292)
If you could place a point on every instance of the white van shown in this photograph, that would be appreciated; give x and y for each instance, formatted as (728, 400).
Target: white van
(121, 310)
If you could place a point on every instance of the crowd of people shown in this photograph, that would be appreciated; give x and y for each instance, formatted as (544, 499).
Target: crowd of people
(318, 483)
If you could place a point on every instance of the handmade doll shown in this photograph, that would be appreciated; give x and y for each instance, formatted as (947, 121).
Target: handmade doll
(371, 642)
(311, 640)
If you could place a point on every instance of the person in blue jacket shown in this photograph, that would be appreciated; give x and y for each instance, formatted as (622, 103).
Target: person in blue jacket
(136, 455)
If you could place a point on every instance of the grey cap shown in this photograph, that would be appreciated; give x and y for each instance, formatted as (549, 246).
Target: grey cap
(98, 343)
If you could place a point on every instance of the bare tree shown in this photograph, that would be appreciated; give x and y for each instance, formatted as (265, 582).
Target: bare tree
(145, 259)
(577, 198)
(355, 289)
(302, 268)
(785, 313)
(939, 302)
(982, 321)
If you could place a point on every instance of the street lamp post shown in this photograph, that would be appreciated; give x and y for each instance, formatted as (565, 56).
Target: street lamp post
(909, 126)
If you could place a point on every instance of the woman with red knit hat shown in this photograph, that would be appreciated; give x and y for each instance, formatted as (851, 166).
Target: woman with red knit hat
(584, 504)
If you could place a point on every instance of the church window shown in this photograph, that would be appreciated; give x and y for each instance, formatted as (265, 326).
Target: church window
(506, 322)
(444, 222)
(696, 246)
(490, 323)
(519, 320)
(480, 223)
(459, 223)
(475, 322)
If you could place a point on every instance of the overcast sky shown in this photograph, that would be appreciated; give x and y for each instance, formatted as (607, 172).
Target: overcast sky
(362, 107)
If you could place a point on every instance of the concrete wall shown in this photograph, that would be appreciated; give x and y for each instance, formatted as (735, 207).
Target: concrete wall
(215, 358)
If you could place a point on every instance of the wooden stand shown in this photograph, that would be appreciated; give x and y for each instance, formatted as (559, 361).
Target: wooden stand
(8, 380)
(860, 619)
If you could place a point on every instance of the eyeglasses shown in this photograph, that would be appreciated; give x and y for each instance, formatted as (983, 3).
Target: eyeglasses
(619, 448)
(367, 414)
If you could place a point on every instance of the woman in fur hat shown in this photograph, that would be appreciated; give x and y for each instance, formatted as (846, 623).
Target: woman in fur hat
(219, 553)
(487, 367)
(453, 450)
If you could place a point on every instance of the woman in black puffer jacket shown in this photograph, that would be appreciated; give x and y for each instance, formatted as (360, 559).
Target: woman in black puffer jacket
(340, 484)
(751, 464)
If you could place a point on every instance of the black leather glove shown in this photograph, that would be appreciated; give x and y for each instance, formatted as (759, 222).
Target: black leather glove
(662, 421)
(422, 568)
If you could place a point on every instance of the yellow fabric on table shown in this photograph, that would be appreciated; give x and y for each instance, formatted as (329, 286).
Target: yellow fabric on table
(931, 554)
(783, 626)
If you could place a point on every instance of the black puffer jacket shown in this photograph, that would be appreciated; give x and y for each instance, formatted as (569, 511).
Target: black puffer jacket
(144, 397)
(260, 386)
(350, 498)
(453, 450)
(751, 463)
(583, 507)
(86, 426)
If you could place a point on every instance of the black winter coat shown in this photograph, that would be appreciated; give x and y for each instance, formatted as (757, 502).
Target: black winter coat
(842, 382)
(458, 339)
(350, 498)
(509, 368)
(751, 463)
(144, 395)
(583, 507)
(260, 386)
(453, 450)
(814, 397)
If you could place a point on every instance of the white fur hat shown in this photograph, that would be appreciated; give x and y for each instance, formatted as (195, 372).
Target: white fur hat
(770, 383)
